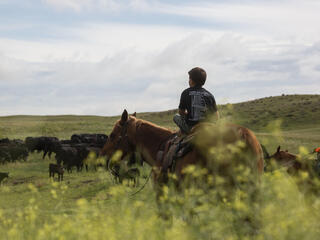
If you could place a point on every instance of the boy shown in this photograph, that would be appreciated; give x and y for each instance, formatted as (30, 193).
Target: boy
(196, 103)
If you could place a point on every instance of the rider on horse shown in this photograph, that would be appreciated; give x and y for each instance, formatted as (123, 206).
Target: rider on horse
(196, 103)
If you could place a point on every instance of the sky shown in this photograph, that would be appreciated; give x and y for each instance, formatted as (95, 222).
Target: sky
(98, 57)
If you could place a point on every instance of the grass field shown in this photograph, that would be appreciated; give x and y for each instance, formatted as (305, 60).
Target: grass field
(89, 205)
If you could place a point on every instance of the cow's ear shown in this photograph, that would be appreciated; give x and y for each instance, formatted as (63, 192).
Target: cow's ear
(278, 149)
(124, 117)
(134, 114)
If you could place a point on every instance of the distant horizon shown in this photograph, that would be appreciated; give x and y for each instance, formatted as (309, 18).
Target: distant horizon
(143, 112)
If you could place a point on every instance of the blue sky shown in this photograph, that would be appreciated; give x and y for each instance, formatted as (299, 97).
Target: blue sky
(101, 56)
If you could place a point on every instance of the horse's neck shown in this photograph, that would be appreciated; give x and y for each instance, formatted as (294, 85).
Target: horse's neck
(149, 138)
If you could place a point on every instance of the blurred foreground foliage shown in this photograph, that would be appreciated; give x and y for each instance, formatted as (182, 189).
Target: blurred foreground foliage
(274, 206)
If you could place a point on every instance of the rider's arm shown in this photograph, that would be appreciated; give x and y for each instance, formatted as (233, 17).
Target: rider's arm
(183, 112)
(183, 104)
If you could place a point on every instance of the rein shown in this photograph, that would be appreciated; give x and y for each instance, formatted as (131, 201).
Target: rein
(124, 136)
(143, 185)
(161, 146)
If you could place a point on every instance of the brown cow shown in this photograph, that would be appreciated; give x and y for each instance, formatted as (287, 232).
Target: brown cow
(286, 159)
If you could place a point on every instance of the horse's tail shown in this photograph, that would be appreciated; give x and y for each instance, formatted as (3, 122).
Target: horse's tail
(254, 146)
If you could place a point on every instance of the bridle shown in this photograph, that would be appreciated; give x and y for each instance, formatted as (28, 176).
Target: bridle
(123, 140)
(123, 136)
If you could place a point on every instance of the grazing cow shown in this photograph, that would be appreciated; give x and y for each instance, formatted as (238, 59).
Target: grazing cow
(89, 157)
(12, 150)
(4, 154)
(45, 144)
(4, 141)
(132, 174)
(67, 142)
(3, 176)
(97, 140)
(68, 155)
(119, 174)
(19, 151)
(55, 168)
(75, 152)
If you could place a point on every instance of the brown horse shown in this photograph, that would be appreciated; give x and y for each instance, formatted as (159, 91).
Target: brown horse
(133, 134)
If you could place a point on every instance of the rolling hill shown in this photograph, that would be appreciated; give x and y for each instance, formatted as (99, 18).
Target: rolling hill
(287, 112)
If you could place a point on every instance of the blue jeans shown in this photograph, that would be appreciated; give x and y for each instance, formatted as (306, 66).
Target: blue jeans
(182, 124)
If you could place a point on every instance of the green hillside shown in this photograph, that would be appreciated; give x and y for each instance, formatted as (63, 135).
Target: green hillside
(294, 112)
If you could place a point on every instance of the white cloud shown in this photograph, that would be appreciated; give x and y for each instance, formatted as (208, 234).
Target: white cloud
(97, 5)
(148, 80)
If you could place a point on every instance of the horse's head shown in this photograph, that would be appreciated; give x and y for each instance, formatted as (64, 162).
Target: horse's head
(121, 137)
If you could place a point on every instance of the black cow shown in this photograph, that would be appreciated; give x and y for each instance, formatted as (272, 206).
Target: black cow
(97, 140)
(55, 168)
(92, 161)
(45, 144)
(131, 174)
(12, 150)
(74, 152)
(69, 157)
(66, 142)
(4, 141)
(4, 154)
(3, 176)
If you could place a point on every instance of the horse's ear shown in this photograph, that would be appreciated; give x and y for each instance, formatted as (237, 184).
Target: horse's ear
(124, 117)
(286, 150)
(278, 149)
(134, 114)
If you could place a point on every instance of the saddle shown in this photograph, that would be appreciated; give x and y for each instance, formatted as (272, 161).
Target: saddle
(173, 149)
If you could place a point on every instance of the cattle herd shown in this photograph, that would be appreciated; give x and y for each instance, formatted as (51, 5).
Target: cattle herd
(68, 153)
(73, 153)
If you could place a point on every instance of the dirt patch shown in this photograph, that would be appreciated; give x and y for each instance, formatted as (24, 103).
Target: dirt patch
(23, 180)
(89, 181)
